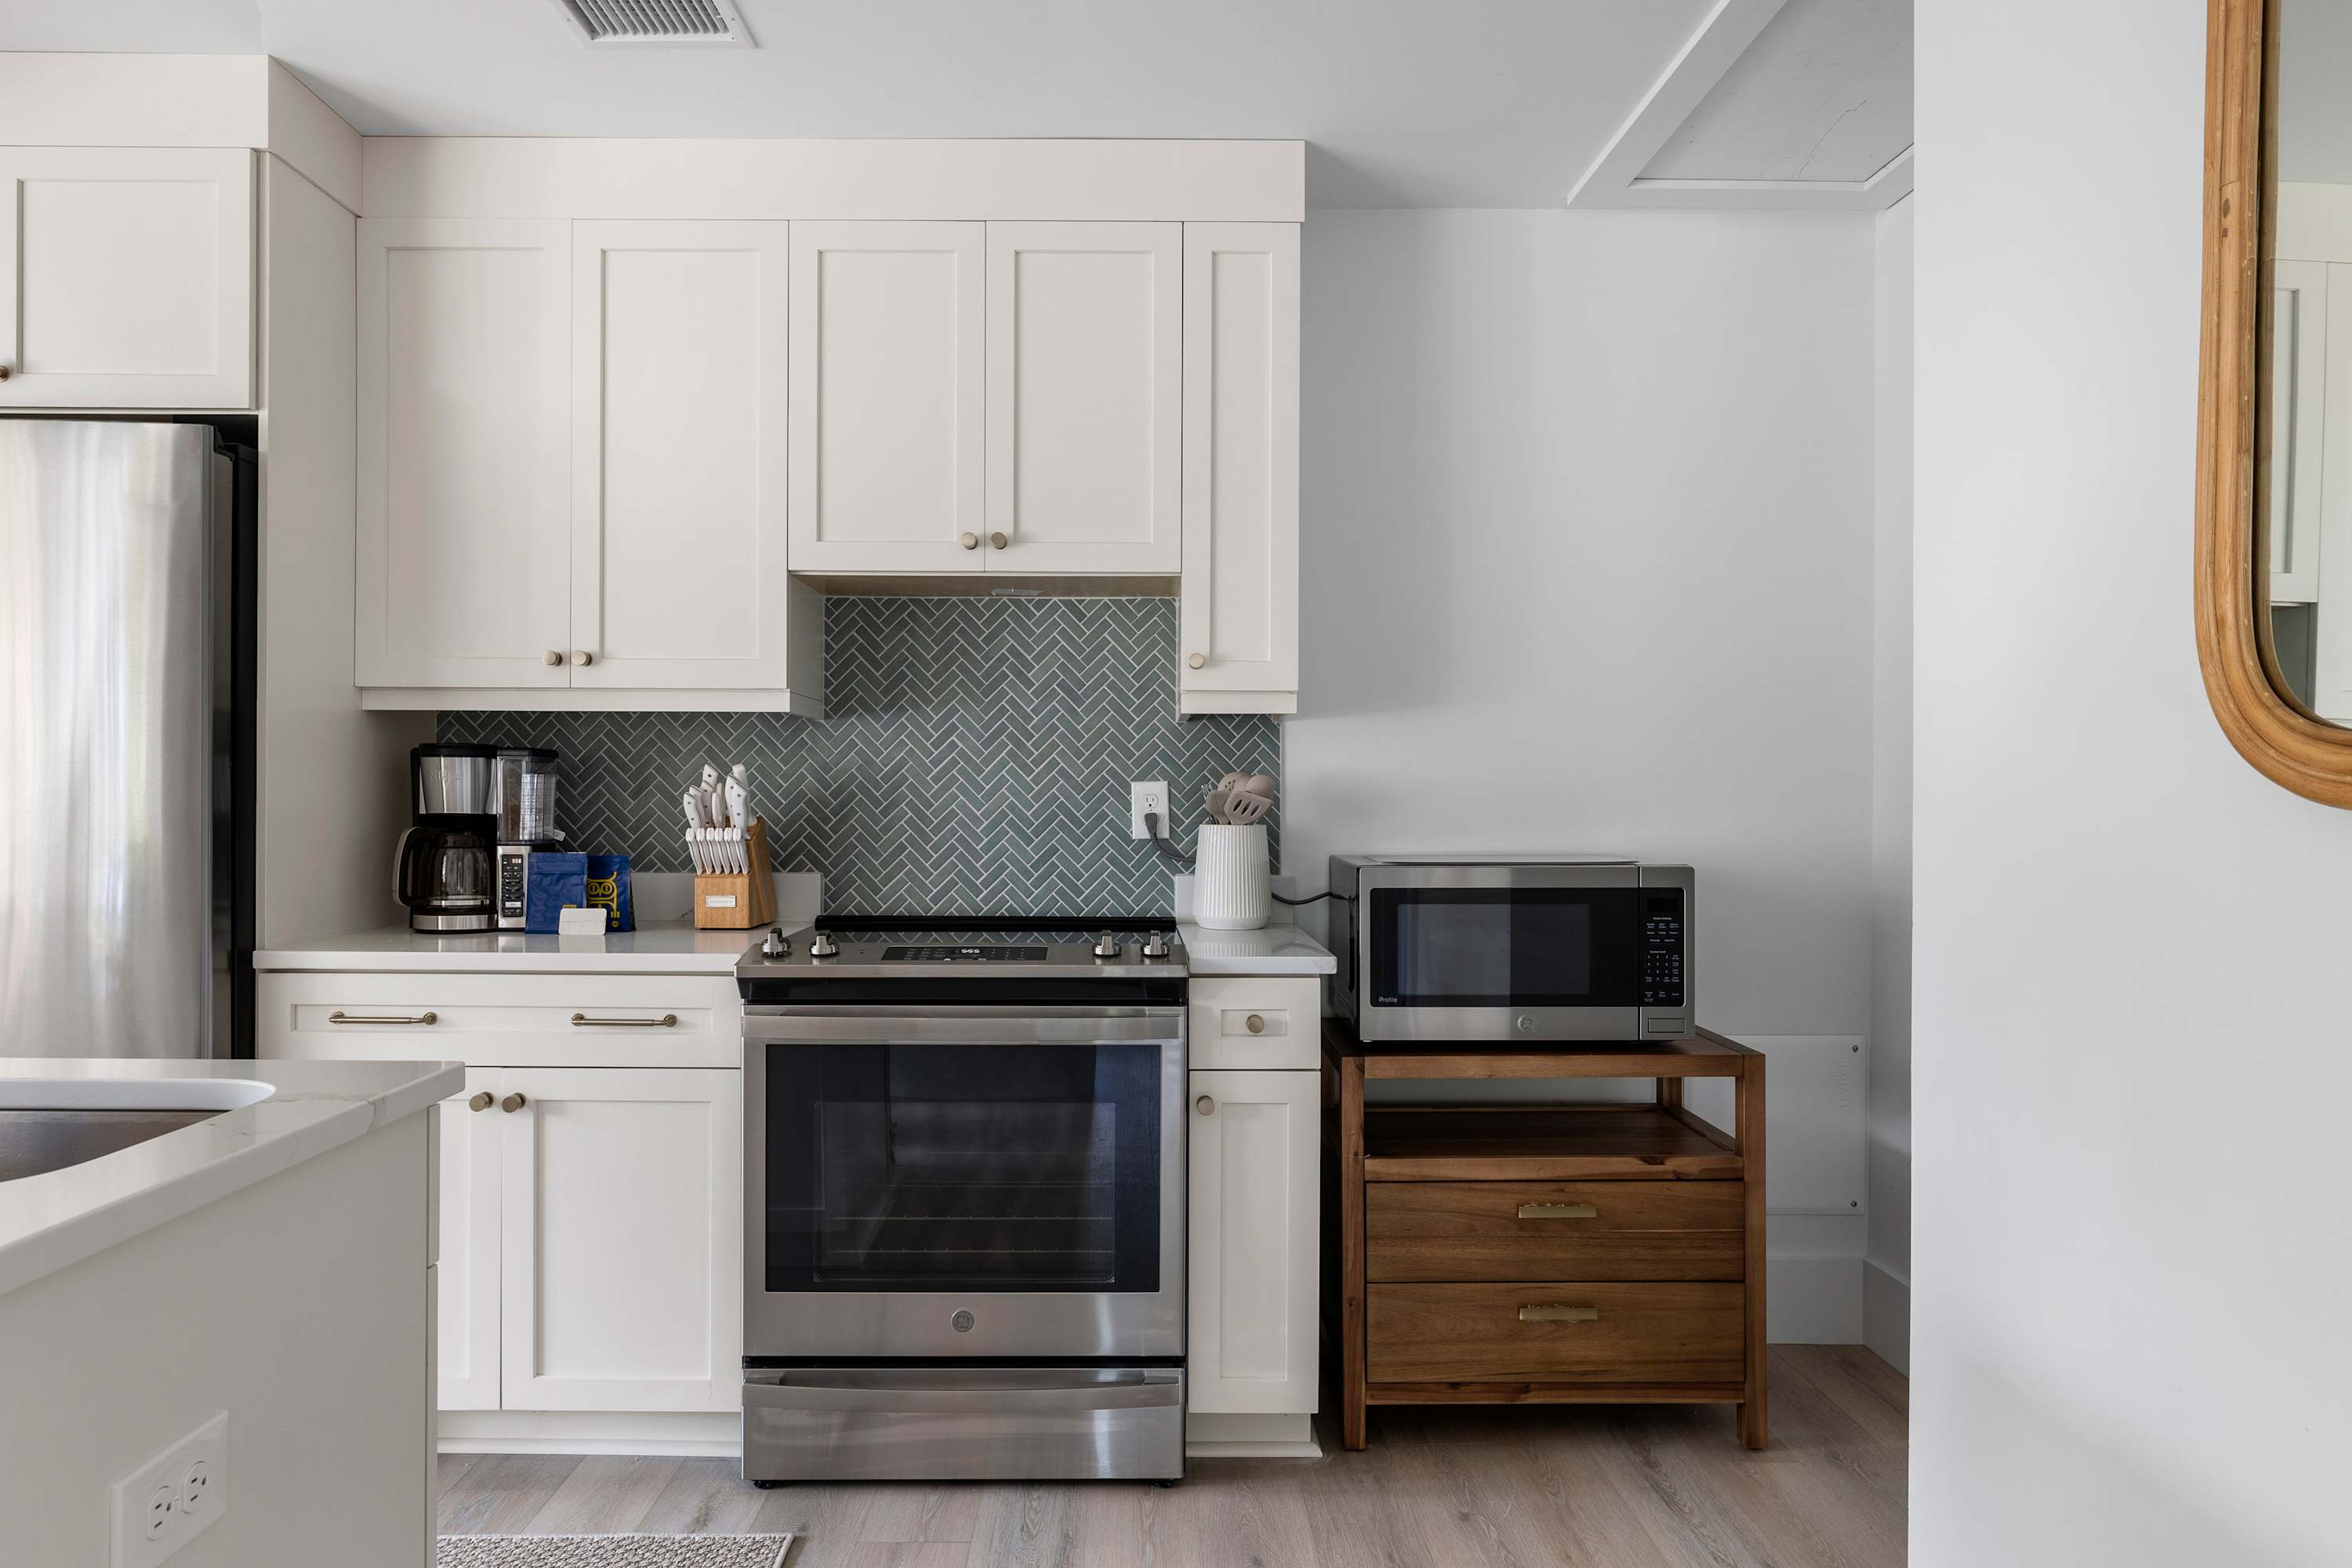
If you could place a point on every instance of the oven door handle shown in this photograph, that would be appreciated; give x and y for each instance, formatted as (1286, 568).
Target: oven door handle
(1153, 1390)
(977, 1026)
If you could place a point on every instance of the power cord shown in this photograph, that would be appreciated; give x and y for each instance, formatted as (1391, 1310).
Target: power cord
(1151, 827)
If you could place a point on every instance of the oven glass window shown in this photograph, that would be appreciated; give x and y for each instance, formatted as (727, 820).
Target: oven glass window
(978, 1167)
(1506, 947)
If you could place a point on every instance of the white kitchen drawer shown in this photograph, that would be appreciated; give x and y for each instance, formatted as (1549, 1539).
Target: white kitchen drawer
(499, 1020)
(1257, 1022)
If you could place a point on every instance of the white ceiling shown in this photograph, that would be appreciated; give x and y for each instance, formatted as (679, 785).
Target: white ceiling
(1823, 93)
(1403, 102)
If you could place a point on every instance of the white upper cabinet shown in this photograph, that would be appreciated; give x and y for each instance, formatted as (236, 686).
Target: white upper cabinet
(464, 483)
(1085, 383)
(126, 278)
(888, 340)
(2298, 424)
(679, 456)
(1239, 647)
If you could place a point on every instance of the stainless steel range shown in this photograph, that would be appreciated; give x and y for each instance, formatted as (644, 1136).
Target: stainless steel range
(963, 1158)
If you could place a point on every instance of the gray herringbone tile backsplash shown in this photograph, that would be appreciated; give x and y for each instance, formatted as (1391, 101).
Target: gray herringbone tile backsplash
(975, 760)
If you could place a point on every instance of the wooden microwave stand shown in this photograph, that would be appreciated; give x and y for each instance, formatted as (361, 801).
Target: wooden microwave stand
(1546, 1254)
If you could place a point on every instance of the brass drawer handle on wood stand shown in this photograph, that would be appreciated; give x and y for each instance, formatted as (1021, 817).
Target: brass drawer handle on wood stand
(1558, 1211)
(338, 1016)
(1554, 1312)
(582, 1021)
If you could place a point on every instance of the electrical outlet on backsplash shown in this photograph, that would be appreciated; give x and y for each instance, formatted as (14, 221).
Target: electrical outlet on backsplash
(975, 760)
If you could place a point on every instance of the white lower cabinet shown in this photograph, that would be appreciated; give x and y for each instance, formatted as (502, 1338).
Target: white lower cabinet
(591, 1240)
(591, 1216)
(467, 1320)
(621, 1240)
(1254, 1240)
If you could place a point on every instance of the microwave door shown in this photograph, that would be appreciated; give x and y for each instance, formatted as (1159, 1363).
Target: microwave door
(1502, 952)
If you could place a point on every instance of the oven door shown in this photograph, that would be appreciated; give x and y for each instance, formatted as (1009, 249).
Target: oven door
(1507, 952)
(965, 1181)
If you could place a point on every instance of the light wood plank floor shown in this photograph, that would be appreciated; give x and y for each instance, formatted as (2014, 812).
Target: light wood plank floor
(1573, 1486)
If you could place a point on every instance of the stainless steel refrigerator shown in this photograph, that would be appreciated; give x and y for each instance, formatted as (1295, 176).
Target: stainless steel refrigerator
(126, 739)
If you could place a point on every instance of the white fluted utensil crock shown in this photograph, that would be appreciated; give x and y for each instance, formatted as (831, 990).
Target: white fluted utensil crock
(1231, 888)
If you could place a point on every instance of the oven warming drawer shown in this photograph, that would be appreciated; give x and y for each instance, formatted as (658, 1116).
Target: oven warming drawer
(885, 1424)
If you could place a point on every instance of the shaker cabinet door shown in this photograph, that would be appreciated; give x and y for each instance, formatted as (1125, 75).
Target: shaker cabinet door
(1240, 604)
(1255, 1238)
(888, 335)
(1085, 393)
(126, 276)
(468, 1324)
(678, 456)
(464, 568)
(622, 1234)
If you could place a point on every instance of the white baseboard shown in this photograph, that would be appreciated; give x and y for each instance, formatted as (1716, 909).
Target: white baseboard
(1813, 1301)
(1886, 1315)
(1219, 1436)
(717, 1434)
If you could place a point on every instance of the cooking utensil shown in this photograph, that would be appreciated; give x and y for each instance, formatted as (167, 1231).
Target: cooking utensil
(1258, 784)
(1245, 809)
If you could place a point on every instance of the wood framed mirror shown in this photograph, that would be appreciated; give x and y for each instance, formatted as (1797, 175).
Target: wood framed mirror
(2273, 550)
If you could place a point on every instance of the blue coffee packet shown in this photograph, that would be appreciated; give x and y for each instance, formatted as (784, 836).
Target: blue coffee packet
(558, 882)
(608, 888)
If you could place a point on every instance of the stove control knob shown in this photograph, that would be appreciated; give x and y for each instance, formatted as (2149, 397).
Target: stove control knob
(822, 945)
(1107, 945)
(1155, 945)
(772, 944)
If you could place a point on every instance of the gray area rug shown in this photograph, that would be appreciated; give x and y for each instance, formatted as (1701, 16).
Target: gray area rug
(612, 1550)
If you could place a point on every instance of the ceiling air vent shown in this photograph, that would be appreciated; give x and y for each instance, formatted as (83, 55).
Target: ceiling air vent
(644, 24)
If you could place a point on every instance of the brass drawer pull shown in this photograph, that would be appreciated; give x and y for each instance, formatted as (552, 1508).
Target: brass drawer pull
(340, 1017)
(515, 1102)
(582, 1021)
(1554, 1312)
(479, 1103)
(1558, 1211)
(1257, 1022)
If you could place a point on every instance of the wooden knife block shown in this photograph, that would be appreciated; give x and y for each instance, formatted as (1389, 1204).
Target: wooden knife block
(739, 903)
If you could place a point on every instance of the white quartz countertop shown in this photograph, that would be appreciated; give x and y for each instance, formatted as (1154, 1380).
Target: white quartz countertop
(654, 948)
(1269, 950)
(54, 1219)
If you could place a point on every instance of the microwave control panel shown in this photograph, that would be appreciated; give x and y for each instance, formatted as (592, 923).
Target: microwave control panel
(1662, 949)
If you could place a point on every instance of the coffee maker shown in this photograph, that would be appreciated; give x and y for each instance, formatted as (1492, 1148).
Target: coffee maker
(522, 800)
(442, 870)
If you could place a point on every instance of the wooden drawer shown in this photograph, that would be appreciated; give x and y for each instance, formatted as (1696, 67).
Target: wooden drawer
(1257, 1022)
(1644, 1335)
(1554, 1230)
(501, 1020)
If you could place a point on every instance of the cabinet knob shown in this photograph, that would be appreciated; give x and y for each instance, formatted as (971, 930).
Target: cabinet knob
(551, 658)
(999, 540)
(512, 1102)
(968, 541)
(3, 373)
(1205, 1106)
(479, 1103)
(1257, 1022)
(1198, 660)
(583, 657)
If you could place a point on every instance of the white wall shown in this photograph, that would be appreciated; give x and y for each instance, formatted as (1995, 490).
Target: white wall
(1886, 1313)
(2132, 1027)
(1586, 563)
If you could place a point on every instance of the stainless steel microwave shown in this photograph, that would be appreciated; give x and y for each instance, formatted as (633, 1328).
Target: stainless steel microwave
(1538, 947)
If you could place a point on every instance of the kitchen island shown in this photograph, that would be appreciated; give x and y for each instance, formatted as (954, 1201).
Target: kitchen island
(269, 1262)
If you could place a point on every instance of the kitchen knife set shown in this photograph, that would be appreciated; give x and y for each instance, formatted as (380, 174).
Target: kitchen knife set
(718, 816)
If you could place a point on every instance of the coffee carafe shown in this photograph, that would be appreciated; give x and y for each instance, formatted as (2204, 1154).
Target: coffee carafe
(442, 871)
